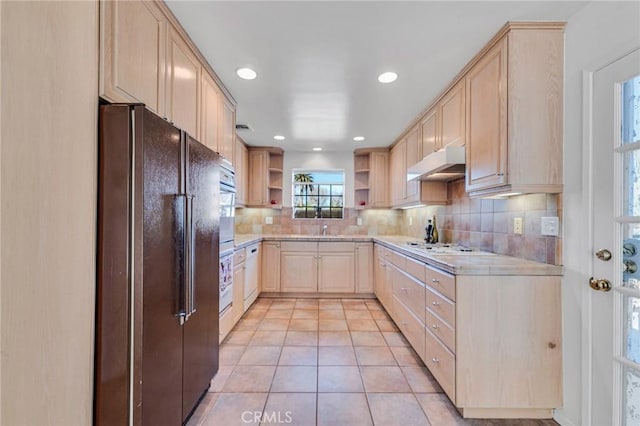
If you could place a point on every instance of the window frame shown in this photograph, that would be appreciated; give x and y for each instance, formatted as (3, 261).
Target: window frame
(294, 194)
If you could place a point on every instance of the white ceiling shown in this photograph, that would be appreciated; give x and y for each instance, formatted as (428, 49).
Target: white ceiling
(318, 62)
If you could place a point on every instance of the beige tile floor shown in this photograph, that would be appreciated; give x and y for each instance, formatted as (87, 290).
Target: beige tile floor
(324, 362)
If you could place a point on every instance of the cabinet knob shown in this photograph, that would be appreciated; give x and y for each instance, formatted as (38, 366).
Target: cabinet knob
(435, 326)
(277, 245)
(435, 360)
(435, 281)
(434, 303)
(404, 323)
(404, 289)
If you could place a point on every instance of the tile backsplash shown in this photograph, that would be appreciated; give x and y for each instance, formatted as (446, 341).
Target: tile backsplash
(487, 224)
(374, 222)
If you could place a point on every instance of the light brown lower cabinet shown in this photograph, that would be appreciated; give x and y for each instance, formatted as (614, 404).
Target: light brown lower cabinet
(382, 277)
(492, 342)
(336, 267)
(364, 267)
(270, 270)
(298, 267)
(317, 267)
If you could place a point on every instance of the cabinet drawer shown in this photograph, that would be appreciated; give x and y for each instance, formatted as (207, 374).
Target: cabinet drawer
(299, 246)
(334, 247)
(416, 269)
(399, 260)
(441, 306)
(441, 363)
(239, 256)
(410, 326)
(441, 281)
(410, 292)
(441, 329)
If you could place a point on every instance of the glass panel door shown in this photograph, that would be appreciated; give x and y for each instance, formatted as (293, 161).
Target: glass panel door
(627, 225)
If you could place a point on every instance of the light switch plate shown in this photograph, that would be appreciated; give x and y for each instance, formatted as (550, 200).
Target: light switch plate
(517, 225)
(410, 220)
(359, 221)
(550, 226)
(268, 220)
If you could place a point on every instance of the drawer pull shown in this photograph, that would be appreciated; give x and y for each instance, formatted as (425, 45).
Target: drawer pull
(404, 289)
(435, 360)
(435, 281)
(434, 303)
(404, 323)
(435, 326)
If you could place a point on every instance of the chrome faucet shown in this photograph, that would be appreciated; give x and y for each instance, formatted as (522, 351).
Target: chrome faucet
(324, 230)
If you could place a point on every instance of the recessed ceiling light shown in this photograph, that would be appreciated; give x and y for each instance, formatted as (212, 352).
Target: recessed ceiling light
(246, 73)
(387, 77)
(358, 138)
(317, 149)
(279, 137)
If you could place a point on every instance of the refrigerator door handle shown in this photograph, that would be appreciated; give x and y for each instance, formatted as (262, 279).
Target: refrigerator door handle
(180, 208)
(191, 259)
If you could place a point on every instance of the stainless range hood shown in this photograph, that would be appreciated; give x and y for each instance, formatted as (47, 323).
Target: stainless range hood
(445, 164)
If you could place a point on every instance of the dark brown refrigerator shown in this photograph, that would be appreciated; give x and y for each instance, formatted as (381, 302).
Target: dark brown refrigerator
(157, 296)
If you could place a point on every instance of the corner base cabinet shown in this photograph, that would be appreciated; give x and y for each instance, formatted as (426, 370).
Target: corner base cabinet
(493, 342)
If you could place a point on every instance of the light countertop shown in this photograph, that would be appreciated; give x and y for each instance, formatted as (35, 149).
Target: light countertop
(474, 263)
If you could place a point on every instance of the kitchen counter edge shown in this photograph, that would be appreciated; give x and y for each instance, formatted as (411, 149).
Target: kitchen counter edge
(458, 264)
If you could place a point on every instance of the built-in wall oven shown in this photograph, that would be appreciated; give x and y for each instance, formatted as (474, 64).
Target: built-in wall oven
(227, 224)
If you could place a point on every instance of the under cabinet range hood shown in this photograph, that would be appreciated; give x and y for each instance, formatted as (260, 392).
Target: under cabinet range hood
(445, 164)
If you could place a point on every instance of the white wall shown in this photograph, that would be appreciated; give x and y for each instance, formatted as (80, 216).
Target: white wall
(49, 86)
(318, 160)
(601, 31)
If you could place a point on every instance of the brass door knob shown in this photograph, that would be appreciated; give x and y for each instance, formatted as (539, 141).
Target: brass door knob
(600, 285)
(603, 254)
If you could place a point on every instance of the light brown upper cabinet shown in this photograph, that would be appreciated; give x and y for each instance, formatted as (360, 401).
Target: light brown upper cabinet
(444, 124)
(265, 170)
(145, 56)
(133, 40)
(514, 112)
(371, 175)
(413, 156)
(452, 118)
(258, 172)
(211, 98)
(397, 173)
(430, 126)
(183, 78)
(487, 150)
(405, 193)
(505, 107)
(379, 178)
(228, 130)
(241, 165)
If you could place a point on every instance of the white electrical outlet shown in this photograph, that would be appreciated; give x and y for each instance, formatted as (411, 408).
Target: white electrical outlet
(359, 221)
(410, 220)
(517, 225)
(550, 226)
(268, 220)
